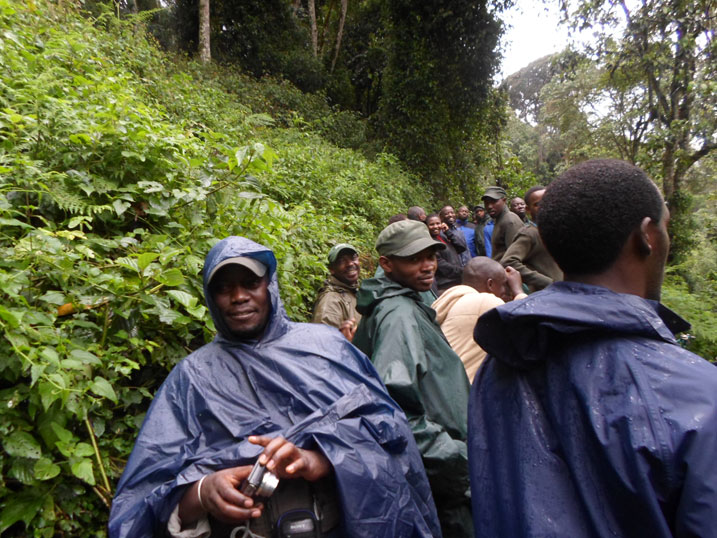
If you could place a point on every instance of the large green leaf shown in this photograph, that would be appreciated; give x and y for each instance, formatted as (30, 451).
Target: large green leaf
(144, 259)
(45, 469)
(23, 445)
(83, 470)
(102, 387)
(187, 300)
(22, 507)
(171, 277)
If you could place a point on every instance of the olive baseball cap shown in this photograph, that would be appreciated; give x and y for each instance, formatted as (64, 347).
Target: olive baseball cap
(494, 193)
(255, 266)
(336, 250)
(405, 238)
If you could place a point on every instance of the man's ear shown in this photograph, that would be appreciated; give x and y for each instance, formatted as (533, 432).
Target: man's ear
(489, 285)
(643, 238)
(385, 263)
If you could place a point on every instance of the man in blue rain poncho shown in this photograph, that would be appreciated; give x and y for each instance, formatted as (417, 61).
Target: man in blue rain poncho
(298, 395)
(587, 419)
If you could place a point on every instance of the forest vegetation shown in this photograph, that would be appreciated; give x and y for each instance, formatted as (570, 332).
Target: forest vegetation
(125, 155)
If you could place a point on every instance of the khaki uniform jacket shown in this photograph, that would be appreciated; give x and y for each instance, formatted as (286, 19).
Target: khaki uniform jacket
(507, 226)
(335, 304)
(530, 258)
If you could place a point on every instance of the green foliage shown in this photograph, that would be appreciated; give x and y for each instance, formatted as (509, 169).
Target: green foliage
(437, 87)
(691, 283)
(118, 172)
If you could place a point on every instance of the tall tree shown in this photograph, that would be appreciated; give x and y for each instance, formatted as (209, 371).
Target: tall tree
(205, 53)
(667, 51)
(437, 85)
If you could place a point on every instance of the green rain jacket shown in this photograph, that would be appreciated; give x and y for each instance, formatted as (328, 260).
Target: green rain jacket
(427, 379)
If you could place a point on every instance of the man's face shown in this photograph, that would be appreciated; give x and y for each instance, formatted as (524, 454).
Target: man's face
(434, 226)
(463, 213)
(479, 215)
(346, 267)
(534, 204)
(242, 299)
(415, 272)
(517, 206)
(494, 207)
(660, 241)
(448, 215)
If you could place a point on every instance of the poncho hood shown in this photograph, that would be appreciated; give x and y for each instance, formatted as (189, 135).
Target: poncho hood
(522, 332)
(233, 247)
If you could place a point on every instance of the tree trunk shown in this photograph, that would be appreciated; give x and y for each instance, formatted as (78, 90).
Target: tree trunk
(325, 30)
(340, 32)
(205, 52)
(314, 30)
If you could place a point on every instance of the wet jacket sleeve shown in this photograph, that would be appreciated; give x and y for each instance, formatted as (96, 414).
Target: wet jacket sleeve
(518, 251)
(400, 357)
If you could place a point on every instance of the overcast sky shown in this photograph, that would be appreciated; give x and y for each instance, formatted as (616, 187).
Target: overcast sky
(533, 32)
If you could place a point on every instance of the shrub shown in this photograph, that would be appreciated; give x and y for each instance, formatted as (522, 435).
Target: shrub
(118, 172)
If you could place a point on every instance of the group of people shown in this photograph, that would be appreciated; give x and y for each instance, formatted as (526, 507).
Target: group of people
(586, 419)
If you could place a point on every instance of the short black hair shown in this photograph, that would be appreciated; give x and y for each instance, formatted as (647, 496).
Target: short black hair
(530, 191)
(581, 242)
(428, 217)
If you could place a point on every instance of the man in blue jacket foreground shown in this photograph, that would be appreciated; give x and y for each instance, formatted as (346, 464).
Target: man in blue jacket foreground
(297, 396)
(588, 419)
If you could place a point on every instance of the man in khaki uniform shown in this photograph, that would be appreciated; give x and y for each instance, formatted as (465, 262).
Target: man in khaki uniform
(527, 254)
(507, 223)
(336, 302)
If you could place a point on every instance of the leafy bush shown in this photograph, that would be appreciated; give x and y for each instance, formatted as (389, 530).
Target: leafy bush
(118, 172)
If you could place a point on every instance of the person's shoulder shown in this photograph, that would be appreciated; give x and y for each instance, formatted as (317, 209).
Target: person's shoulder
(397, 307)
(529, 230)
(512, 218)
(685, 363)
(314, 330)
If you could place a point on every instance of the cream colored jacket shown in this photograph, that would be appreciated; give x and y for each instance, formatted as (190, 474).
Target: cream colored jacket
(457, 311)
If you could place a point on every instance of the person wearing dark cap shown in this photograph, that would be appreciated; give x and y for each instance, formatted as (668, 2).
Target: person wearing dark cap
(296, 398)
(336, 302)
(420, 370)
(507, 223)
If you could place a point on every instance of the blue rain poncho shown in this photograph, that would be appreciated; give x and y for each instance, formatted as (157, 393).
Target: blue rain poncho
(303, 381)
(588, 419)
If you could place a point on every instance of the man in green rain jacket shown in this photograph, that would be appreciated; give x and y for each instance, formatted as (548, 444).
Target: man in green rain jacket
(421, 371)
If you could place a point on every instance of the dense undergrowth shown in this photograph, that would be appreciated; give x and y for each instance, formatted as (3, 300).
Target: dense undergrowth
(119, 169)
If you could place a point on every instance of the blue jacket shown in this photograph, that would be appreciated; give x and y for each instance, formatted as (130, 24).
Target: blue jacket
(469, 234)
(588, 419)
(303, 381)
